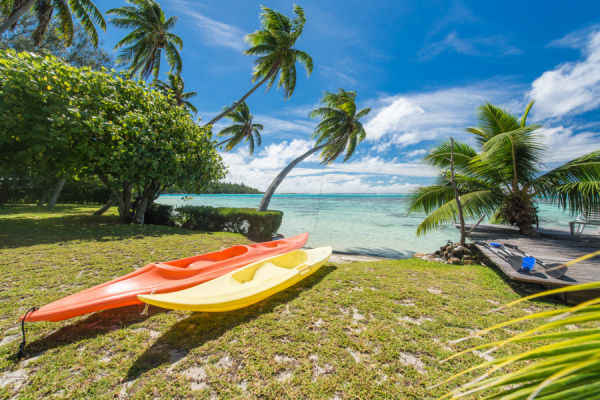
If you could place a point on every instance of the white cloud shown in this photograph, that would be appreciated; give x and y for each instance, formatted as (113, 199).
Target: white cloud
(573, 87)
(416, 153)
(457, 14)
(494, 45)
(564, 144)
(391, 118)
(404, 120)
(215, 33)
(358, 176)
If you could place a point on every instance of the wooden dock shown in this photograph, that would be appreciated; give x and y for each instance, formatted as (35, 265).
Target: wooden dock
(555, 246)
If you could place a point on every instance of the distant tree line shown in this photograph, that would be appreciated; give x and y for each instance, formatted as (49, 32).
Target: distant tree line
(221, 188)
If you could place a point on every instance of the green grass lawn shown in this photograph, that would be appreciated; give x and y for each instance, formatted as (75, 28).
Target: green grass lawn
(350, 331)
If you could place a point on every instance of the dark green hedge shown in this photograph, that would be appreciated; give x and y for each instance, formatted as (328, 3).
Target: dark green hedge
(159, 214)
(256, 225)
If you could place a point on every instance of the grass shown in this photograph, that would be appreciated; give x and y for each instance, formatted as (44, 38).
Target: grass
(354, 330)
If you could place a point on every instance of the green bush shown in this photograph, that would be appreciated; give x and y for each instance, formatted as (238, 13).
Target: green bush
(159, 214)
(256, 225)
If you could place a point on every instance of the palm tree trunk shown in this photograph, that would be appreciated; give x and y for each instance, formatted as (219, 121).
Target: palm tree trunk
(264, 203)
(8, 22)
(55, 193)
(233, 107)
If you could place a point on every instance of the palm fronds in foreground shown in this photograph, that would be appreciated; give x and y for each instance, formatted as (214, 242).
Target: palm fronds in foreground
(565, 365)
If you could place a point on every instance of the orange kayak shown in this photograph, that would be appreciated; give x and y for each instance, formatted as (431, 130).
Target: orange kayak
(162, 278)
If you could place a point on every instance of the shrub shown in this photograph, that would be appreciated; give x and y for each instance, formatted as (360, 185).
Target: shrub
(159, 214)
(256, 225)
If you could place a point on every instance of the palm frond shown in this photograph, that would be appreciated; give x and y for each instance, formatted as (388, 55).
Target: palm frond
(566, 364)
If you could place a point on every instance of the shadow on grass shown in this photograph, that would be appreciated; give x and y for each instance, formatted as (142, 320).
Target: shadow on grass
(202, 327)
(65, 228)
(95, 325)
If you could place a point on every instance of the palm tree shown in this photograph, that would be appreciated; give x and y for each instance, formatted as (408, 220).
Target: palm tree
(84, 10)
(142, 48)
(243, 129)
(504, 176)
(560, 361)
(175, 88)
(274, 43)
(339, 131)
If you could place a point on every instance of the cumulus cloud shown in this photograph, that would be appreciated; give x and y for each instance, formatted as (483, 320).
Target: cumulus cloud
(367, 174)
(403, 120)
(573, 87)
(567, 143)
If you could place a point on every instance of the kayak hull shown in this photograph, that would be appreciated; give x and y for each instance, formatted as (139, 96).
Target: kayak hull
(162, 278)
(247, 285)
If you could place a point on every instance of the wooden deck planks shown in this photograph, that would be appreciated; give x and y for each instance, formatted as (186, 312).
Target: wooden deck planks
(556, 246)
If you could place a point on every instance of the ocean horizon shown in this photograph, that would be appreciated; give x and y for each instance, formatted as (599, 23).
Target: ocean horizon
(365, 223)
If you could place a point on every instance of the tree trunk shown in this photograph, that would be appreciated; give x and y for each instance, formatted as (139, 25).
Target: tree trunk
(55, 193)
(264, 203)
(4, 191)
(527, 229)
(459, 206)
(140, 211)
(233, 107)
(14, 18)
(106, 207)
(43, 198)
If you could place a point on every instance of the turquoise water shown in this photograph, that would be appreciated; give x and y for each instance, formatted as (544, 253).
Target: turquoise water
(369, 224)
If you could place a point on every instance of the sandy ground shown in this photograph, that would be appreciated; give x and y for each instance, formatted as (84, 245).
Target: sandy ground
(342, 258)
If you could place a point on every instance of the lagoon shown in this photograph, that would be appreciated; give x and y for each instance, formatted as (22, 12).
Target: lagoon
(362, 223)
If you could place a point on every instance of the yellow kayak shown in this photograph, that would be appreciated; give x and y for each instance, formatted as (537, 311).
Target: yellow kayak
(245, 286)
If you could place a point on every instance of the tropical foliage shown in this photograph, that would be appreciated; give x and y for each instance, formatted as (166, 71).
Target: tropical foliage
(565, 364)
(80, 122)
(505, 175)
(274, 45)
(339, 131)
(81, 53)
(175, 88)
(142, 47)
(242, 129)
(85, 11)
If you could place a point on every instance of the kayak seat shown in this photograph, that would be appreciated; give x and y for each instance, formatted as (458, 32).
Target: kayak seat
(274, 267)
(259, 274)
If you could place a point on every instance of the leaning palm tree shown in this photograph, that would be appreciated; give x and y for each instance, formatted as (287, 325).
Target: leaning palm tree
(242, 129)
(505, 175)
(142, 48)
(339, 131)
(274, 43)
(84, 10)
(175, 88)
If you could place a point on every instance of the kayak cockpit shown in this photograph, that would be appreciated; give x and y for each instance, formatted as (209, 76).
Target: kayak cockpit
(275, 266)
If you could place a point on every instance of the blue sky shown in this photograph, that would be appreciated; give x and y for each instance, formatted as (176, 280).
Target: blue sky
(422, 66)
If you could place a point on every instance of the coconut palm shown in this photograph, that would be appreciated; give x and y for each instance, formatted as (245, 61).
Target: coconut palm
(242, 129)
(175, 88)
(142, 48)
(274, 44)
(504, 175)
(562, 361)
(339, 131)
(84, 10)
